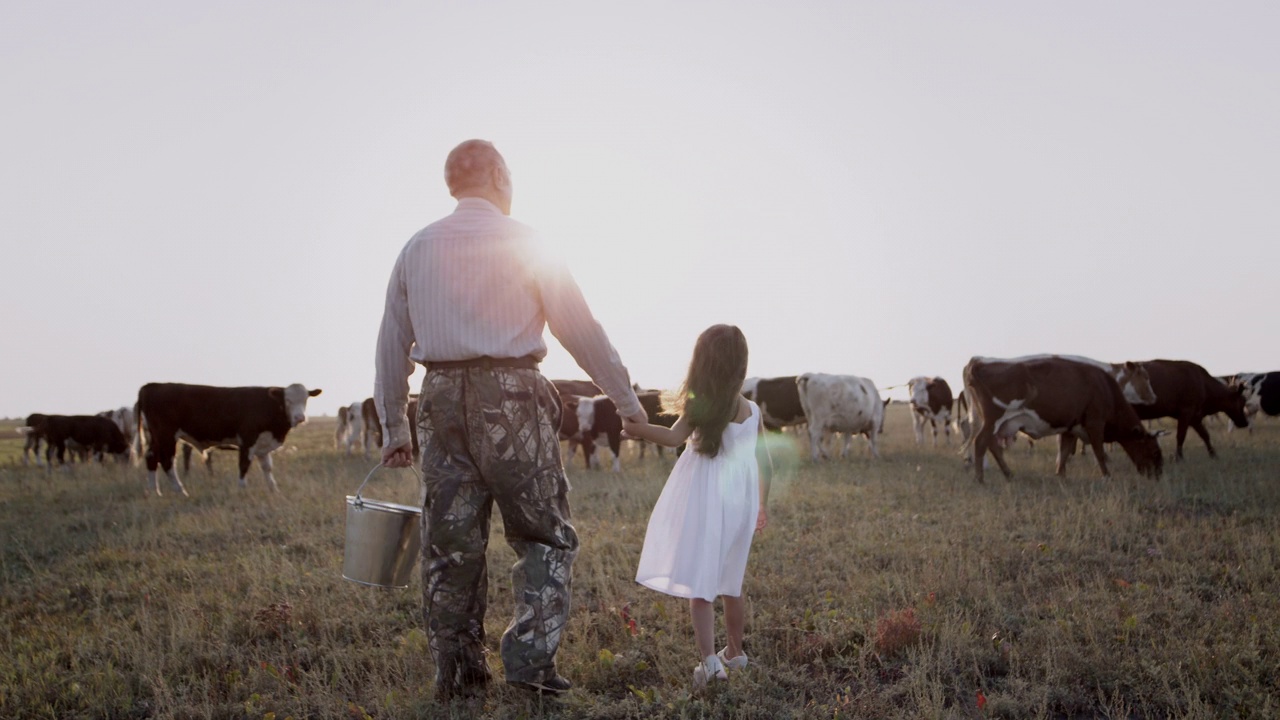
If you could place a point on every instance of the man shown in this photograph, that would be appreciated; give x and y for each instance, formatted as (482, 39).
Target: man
(469, 297)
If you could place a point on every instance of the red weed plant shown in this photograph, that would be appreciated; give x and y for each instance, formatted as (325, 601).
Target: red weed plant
(896, 631)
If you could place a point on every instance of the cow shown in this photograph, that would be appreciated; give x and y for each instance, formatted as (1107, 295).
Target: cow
(778, 400)
(33, 429)
(931, 402)
(367, 426)
(1187, 392)
(255, 420)
(1255, 387)
(1053, 395)
(571, 394)
(839, 404)
(123, 417)
(343, 429)
(598, 416)
(97, 434)
(351, 427)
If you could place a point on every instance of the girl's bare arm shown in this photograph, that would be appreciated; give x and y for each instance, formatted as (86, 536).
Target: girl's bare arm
(673, 436)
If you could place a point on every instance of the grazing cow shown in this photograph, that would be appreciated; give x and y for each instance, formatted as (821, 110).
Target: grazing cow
(33, 429)
(1256, 388)
(343, 429)
(1051, 395)
(1131, 376)
(571, 393)
(931, 402)
(778, 400)
(95, 433)
(1187, 392)
(123, 418)
(839, 404)
(255, 420)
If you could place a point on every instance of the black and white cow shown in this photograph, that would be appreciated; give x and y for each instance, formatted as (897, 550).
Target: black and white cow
(255, 420)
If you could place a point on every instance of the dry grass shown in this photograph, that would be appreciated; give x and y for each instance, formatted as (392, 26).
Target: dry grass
(891, 589)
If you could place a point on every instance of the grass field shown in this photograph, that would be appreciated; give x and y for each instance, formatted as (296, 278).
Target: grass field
(897, 589)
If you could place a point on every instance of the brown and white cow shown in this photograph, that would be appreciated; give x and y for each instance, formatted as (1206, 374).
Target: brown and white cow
(571, 394)
(931, 402)
(778, 400)
(1187, 392)
(598, 417)
(840, 404)
(1053, 395)
(255, 420)
(364, 426)
(344, 428)
(96, 434)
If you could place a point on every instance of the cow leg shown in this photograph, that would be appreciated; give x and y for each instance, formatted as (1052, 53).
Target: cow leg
(1182, 437)
(264, 461)
(917, 426)
(589, 451)
(1198, 426)
(815, 443)
(997, 452)
(871, 441)
(1095, 440)
(244, 462)
(1066, 448)
(615, 444)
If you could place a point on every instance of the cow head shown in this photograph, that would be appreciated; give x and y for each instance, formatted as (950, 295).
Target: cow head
(919, 387)
(586, 415)
(1236, 405)
(1136, 383)
(295, 401)
(1144, 451)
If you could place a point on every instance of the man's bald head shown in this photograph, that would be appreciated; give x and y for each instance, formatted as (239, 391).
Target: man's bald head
(471, 166)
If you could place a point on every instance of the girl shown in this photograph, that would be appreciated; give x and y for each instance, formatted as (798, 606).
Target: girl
(700, 532)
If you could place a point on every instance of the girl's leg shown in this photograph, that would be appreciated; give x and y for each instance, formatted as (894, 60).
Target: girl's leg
(704, 625)
(735, 621)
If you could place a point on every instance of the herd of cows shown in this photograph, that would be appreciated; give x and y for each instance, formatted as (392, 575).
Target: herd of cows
(1075, 398)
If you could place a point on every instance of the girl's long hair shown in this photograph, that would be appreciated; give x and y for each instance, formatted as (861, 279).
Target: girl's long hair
(708, 398)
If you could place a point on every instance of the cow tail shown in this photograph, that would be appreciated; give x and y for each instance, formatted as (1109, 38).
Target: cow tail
(139, 437)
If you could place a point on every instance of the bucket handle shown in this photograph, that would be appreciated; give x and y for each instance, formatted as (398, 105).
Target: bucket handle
(359, 501)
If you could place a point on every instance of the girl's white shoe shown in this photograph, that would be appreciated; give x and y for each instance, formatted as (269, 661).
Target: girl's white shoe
(709, 669)
(736, 663)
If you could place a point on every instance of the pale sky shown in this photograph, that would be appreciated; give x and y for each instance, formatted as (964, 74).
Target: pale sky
(215, 192)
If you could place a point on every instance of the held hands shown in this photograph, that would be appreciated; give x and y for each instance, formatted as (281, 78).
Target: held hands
(400, 457)
(632, 423)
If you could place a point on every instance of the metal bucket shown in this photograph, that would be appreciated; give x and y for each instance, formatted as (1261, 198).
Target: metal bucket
(383, 541)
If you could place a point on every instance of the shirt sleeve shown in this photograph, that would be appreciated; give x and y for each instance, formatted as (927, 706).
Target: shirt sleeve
(392, 364)
(571, 322)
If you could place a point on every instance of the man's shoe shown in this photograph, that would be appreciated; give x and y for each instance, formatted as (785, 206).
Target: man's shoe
(555, 686)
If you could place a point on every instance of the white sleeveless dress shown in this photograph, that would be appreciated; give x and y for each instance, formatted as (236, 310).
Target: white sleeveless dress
(700, 531)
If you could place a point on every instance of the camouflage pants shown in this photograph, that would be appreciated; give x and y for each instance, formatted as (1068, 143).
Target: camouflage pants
(492, 435)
